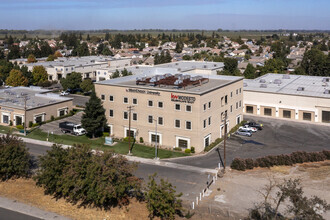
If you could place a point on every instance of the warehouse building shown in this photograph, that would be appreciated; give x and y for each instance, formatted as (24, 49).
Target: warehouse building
(293, 97)
(38, 103)
(188, 110)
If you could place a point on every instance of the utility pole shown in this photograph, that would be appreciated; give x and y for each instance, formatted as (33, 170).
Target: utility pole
(224, 141)
(130, 108)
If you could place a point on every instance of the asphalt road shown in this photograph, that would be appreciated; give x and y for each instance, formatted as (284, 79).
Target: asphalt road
(79, 100)
(277, 137)
(6, 214)
(187, 182)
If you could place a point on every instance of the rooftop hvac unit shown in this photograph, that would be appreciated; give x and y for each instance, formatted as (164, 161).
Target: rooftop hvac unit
(277, 81)
(178, 82)
(205, 66)
(262, 81)
(263, 85)
(245, 84)
(327, 91)
(325, 84)
(326, 80)
(186, 76)
(286, 77)
(167, 75)
(176, 64)
(301, 89)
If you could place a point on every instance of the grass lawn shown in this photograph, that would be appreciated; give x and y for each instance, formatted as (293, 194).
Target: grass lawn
(120, 148)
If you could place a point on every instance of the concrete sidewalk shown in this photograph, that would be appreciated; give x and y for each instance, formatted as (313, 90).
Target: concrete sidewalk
(25, 209)
(138, 159)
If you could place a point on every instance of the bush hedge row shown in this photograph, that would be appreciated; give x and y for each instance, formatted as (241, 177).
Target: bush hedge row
(279, 160)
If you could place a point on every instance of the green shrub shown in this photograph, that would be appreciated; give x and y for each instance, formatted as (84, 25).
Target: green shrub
(52, 118)
(35, 125)
(141, 140)
(213, 144)
(30, 124)
(249, 164)
(177, 149)
(192, 149)
(187, 151)
(19, 127)
(127, 139)
(238, 164)
(326, 154)
(10, 123)
(106, 134)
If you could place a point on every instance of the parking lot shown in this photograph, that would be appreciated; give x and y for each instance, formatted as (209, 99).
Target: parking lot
(277, 137)
(54, 125)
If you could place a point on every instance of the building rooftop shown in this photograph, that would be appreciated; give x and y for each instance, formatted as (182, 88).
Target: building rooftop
(202, 84)
(36, 97)
(184, 66)
(315, 86)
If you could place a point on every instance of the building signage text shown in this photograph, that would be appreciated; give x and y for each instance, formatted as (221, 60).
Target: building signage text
(181, 98)
(142, 91)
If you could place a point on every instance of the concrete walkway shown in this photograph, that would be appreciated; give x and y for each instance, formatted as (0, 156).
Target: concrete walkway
(139, 159)
(25, 209)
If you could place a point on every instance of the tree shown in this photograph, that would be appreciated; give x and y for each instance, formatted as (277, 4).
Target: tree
(16, 78)
(14, 52)
(72, 81)
(87, 85)
(273, 66)
(126, 73)
(116, 74)
(250, 72)
(15, 159)
(5, 68)
(39, 74)
(106, 51)
(316, 63)
(51, 57)
(230, 67)
(58, 54)
(186, 57)
(76, 174)
(27, 74)
(291, 193)
(81, 50)
(161, 199)
(179, 47)
(93, 119)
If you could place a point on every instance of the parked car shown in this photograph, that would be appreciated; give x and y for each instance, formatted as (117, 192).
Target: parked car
(243, 133)
(248, 128)
(254, 124)
(75, 129)
(64, 93)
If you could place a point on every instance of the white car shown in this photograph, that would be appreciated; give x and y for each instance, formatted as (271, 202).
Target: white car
(64, 93)
(248, 128)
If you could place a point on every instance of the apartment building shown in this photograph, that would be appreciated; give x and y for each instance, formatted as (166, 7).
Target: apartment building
(188, 110)
(40, 105)
(292, 97)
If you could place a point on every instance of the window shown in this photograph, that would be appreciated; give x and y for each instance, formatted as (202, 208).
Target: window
(135, 101)
(134, 116)
(207, 141)
(240, 90)
(5, 119)
(268, 111)
(177, 107)
(209, 120)
(236, 105)
(222, 101)
(150, 119)
(111, 98)
(111, 112)
(125, 115)
(19, 120)
(160, 104)
(102, 97)
(231, 94)
(160, 121)
(38, 119)
(61, 112)
(307, 116)
(188, 125)
(226, 100)
(204, 123)
(231, 108)
(286, 114)
(240, 103)
(188, 108)
(236, 91)
(150, 103)
(249, 109)
(130, 134)
(154, 138)
(326, 116)
(177, 123)
(125, 100)
(204, 106)
(210, 104)
(182, 143)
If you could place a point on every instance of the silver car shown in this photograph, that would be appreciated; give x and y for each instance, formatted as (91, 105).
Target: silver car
(243, 133)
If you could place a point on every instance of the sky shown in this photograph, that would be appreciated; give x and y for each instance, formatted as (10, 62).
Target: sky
(164, 14)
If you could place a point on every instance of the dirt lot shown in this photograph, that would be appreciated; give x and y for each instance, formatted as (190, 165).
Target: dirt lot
(239, 191)
(25, 190)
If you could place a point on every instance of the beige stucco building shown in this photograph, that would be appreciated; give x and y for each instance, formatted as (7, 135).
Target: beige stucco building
(185, 116)
(293, 97)
(40, 105)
